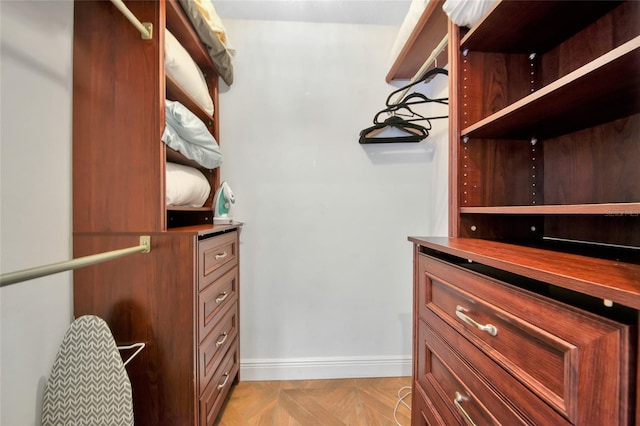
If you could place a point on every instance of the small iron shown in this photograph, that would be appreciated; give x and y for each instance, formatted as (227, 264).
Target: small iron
(222, 201)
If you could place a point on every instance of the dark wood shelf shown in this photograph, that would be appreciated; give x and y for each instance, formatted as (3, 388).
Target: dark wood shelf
(174, 156)
(601, 278)
(536, 26)
(613, 209)
(603, 90)
(189, 209)
(425, 37)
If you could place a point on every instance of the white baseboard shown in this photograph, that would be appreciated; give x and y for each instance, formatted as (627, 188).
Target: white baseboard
(324, 368)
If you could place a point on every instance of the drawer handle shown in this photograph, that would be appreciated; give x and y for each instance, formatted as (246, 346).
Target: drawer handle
(221, 341)
(226, 378)
(221, 255)
(457, 401)
(221, 297)
(489, 328)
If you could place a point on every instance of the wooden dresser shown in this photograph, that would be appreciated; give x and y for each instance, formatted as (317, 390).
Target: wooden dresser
(182, 298)
(528, 313)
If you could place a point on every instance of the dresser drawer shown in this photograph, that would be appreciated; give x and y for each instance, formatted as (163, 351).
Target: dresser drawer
(554, 349)
(217, 389)
(217, 343)
(214, 299)
(469, 395)
(216, 255)
(428, 409)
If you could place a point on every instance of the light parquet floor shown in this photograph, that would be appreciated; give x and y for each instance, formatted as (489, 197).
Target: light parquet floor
(352, 402)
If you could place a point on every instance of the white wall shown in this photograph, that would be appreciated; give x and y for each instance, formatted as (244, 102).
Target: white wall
(35, 193)
(326, 268)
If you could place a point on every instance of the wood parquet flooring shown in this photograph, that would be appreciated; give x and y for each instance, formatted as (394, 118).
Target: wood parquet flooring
(352, 402)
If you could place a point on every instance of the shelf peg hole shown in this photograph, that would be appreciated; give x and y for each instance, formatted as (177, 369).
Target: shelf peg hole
(473, 228)
(533, 229)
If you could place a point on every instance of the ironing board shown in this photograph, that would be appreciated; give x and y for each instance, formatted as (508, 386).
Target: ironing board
(88, 384)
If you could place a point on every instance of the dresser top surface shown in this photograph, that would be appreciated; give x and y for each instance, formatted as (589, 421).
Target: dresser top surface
(609, 279)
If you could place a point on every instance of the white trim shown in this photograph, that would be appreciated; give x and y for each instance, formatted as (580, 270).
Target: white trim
(324, 368)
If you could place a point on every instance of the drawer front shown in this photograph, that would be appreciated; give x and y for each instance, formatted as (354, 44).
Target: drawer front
(428, 409)
(465, 393)
(552, 348)
(215, 299)
(216, 255)
(216, 344)
(217, 389)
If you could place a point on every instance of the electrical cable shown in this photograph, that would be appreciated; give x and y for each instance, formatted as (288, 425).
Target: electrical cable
(401, 401)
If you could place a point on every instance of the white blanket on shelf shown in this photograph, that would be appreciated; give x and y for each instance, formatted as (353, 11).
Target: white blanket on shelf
(466, 13)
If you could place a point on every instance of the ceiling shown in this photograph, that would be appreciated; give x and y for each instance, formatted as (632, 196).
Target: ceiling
(368, 12)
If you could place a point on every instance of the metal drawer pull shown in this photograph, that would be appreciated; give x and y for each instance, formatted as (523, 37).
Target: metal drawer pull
(459, 399)
(489, 328)
(221, 341)
(226, 378)
(221, 297)
(221, 255)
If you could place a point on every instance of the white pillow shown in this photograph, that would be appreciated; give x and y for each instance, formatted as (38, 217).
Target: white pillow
(185, 186)
(179, 65)
(186, 133)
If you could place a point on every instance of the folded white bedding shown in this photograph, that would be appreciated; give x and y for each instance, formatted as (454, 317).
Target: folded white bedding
(212, 33)
(182, 68)
(185, 186)
(187, 134)
(466, 13)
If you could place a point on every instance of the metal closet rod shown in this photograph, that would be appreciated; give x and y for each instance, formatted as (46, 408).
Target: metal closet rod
(145, 28)
(423, 69)
(54, 268)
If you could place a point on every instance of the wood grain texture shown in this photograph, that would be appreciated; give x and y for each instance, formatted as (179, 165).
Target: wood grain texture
(606, 279)
(532, 27)
(147, 298)
(428, 32)
(118, 88)
(356, 402)
(546, 345)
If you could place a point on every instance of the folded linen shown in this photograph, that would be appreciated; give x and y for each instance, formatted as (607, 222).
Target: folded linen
(187, 134)
(185, 186)
(179, 65)
(211, 31)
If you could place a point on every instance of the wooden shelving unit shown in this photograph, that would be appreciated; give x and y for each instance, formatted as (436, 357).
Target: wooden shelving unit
(170, 298)
(544, 207)
(583, 98)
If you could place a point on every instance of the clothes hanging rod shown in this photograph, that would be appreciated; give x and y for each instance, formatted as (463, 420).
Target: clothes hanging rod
(423, 69)
(145, 28)
(54, 268)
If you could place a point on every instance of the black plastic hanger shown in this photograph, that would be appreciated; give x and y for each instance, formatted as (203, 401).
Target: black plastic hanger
(427, 76)
(412, 132)
(403, 117)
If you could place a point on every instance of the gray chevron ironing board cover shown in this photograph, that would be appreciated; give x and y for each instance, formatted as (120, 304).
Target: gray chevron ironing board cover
(88, 384)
